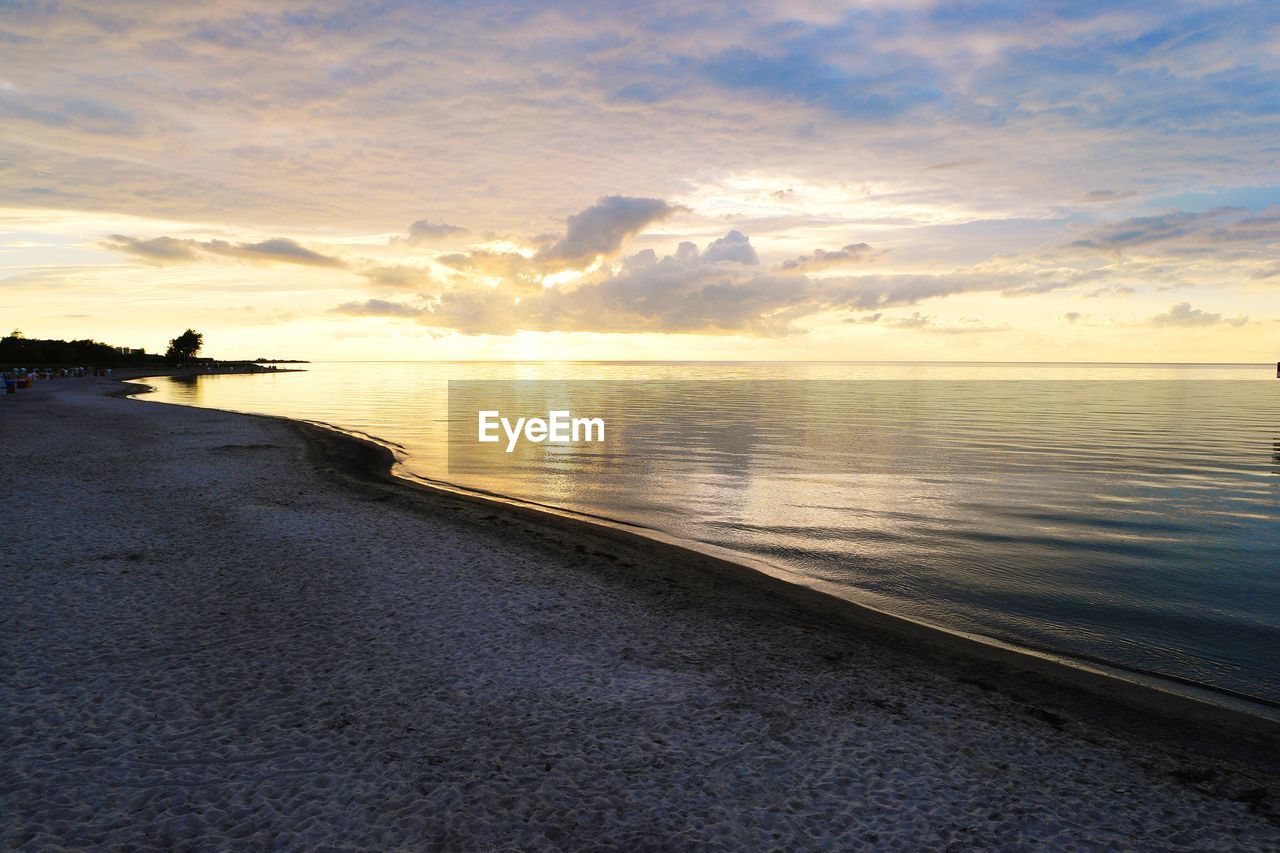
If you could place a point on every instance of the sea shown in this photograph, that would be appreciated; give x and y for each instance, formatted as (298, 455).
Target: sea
(1126, 514)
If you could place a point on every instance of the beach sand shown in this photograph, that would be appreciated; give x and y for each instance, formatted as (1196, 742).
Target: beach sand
(218, 631)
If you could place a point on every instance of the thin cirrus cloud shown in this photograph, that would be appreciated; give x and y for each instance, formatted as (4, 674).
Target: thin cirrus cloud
(164, 251)
(734, 246)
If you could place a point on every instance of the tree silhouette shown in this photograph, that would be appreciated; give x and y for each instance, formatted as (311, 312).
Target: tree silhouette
(184, 346)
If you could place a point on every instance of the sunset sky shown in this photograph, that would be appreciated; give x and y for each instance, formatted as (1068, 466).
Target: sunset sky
(1070, 181)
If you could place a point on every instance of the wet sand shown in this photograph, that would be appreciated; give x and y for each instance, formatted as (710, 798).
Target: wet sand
(227, 630)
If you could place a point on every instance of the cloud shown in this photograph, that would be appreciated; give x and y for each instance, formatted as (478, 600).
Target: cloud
(162, 251)
(518, 111)
(593, 233)
(866, 292)
(1143, 230)
(511, 267)
(378, 308)
(927, 323)
(1182, 229)
(953, 164)
(278, 250)
(398, 277)
(915, 321)
(158, 251)
(1183, 315)
(954, 130)
(713, 292)
(734, 246)
(654, 300)
(1042, 283)
(1095, 196)
(82, 115)
(600, 230)
(1072, 316)
(424, 233)
(716, 290)
(820, 259)
(1112, 290)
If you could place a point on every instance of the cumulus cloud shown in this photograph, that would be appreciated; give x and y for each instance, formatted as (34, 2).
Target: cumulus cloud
(595, 232)
(821, 259)
(1183, 315)
(717, 290)
(512, 268)
(601, 229)
(163, 251)
(658, 299)
(734, 246)
(424, 233)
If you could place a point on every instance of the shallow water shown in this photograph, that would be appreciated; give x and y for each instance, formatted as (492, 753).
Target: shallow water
(1126, 513)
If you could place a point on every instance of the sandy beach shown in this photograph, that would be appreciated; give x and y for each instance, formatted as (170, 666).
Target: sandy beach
(219, 631)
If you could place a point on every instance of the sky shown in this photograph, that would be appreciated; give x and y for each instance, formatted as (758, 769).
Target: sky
(1072, 181)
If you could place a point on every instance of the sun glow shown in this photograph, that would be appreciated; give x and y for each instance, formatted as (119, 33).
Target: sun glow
(507, 247)
(557, 278)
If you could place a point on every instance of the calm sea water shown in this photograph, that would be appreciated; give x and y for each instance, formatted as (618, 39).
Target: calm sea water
(1123, 513)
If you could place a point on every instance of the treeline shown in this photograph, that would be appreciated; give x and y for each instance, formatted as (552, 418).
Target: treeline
(18, 351)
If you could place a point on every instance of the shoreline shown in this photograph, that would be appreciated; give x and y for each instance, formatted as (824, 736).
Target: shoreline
(368, 458)
(1145, 688)
(228, 630)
